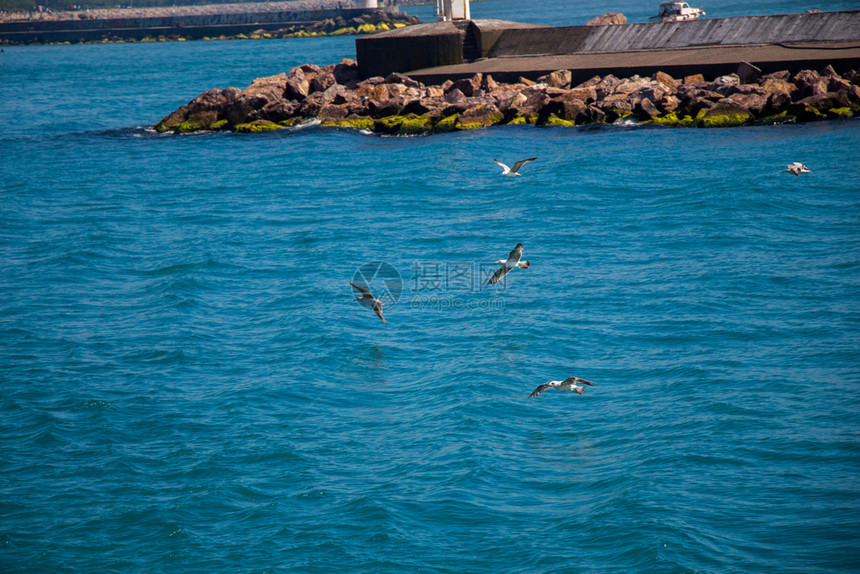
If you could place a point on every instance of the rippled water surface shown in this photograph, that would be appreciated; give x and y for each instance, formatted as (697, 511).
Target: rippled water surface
(186, 383)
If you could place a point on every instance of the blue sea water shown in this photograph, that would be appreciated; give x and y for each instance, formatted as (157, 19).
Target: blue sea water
(187, 385)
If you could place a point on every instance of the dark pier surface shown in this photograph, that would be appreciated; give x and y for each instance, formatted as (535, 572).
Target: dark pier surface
(508, 51)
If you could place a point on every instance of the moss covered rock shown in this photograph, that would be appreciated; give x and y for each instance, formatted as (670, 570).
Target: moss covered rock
(354, 123)
(258, 126)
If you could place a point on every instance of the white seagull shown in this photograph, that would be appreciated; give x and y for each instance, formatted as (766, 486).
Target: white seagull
(511, 262)
(513, 171)
(568, 384)
(797, 168)
(368, 300)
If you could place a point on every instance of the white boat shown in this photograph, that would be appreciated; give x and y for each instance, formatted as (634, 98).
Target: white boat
(677, 11)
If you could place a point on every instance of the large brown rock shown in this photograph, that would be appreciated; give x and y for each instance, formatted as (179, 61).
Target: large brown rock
(332, 112)
(590, 115)
(529, 102)
(608, 19)
(557, 79)
(480, 115)
(276, 111)
(668, 81)
(776, 103)
(241, 110)
(668, 104)
(468, 86)
(724, 84)
(645, 109)
(323, 81)
(774, 84)
(753, 103)
(809, 83)
(606, 86)
(272, 87)
(398, 78)
(346, 72)
(565, 107)
(298, 86)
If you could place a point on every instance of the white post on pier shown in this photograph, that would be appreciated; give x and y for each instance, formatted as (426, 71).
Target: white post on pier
(453, 10)
(367, 4)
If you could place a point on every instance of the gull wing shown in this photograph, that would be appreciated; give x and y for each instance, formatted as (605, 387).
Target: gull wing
(520, 163)
(363, 290)
(504, 167)
(500, 272)
(578, 380)
(516, 254)
(541, 388)
(377, 308)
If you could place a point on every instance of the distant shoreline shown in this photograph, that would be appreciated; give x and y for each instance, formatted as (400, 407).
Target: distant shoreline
(172, 11)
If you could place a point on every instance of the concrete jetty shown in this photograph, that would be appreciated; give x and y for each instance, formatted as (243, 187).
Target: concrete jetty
(189, 22)
(432, 53)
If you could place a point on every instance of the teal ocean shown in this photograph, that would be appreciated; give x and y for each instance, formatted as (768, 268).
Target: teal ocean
(187, 385)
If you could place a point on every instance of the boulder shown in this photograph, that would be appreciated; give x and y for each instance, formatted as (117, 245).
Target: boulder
(777, 102)
(467, 86)
(385, 108)
(694, 105)
(346, 72)
(272, 88)
(723, 84)
(589, 83)
(297, 85)
(694, 79)
(332, 112)
(529, 102)
(322, 82)
(608, 19)
(668, 104)
(557, 79)
(479, 115)
(565, 107)
(783, 75)
(488, 84)
(591, 115)
(276, 111)
(725, 114)
(666, 80)
(753, 103)
(747, 73)
(809, 83)
(398, 78)
(630, 85)
(773, 84)
(645, 109)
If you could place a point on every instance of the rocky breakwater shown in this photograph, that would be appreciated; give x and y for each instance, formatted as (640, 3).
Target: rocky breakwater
(397, 104)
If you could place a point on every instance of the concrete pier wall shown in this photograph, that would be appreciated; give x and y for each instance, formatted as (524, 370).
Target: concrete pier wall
(783, 28)
(410, 48)
(483, 42)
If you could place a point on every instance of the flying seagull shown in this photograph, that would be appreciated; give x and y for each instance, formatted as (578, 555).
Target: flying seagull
(568, 384)
(368, 300)
(797, 168)
(512, 261)
(513, 171)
